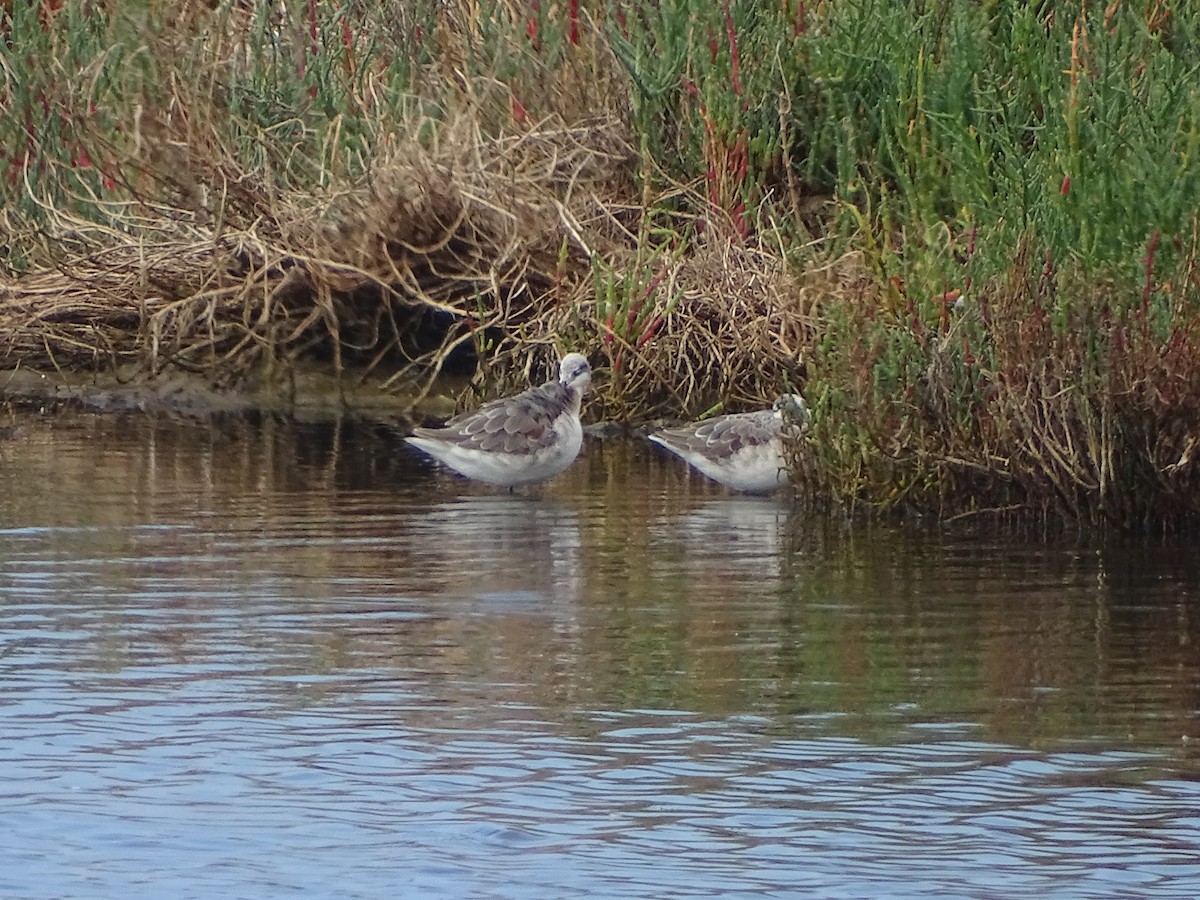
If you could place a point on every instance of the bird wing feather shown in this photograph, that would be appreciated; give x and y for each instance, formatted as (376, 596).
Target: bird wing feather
(723, 436)
(520, 424)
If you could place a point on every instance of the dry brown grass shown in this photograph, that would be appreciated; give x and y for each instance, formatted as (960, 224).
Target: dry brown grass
(478, 232)
(287, 285)
(467, 242)
(1098, 420)
(732, 327)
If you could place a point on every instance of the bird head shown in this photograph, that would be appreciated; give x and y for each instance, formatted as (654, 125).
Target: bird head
(793, 411)
(575, 372)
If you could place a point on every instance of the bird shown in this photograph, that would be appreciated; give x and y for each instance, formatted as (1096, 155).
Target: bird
(516, 440)
(743, 451)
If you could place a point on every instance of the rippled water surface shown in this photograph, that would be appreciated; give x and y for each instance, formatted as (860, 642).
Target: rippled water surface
(275, 659)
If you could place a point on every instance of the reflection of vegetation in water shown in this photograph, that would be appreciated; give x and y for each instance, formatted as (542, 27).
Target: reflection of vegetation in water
(625, 584)
(868, 632)
(967, 230)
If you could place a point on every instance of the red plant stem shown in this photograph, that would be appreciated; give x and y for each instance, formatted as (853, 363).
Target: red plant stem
(710, 174)
(15, 165)
(301, 66)
(1047, 271)
(650, 331)
(735, 67)
(573, 20)
(945, 302)
(535, 9)
(631, 317)
(915, 315)
(653, 283)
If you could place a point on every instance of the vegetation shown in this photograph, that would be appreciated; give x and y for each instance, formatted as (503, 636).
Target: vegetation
(967, 230)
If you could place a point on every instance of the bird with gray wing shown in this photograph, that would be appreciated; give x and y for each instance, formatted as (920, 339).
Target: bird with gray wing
(743, 451)
(516, 440)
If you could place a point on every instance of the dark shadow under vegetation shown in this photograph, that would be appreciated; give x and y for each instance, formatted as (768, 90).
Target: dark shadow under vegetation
(968, 233)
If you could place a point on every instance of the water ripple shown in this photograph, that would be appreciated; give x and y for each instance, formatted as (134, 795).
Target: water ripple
(289, 668)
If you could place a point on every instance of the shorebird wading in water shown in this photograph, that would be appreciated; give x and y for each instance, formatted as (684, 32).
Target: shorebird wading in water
(516, 440)
(743, 451)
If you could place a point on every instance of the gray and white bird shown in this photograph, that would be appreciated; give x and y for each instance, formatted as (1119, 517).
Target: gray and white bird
(515, 440)
(742, 451)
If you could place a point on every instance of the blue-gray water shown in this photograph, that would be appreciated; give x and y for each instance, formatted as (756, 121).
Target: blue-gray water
(269, 660)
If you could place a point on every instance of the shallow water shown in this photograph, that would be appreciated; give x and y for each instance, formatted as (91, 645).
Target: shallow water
(271, 659)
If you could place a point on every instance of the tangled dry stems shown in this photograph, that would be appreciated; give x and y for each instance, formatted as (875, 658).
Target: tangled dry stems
(470, 240)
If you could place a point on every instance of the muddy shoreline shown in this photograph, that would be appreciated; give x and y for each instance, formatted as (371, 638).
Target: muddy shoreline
(312, 392)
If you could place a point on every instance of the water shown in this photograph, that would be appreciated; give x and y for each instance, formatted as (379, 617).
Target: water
(280, 659)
